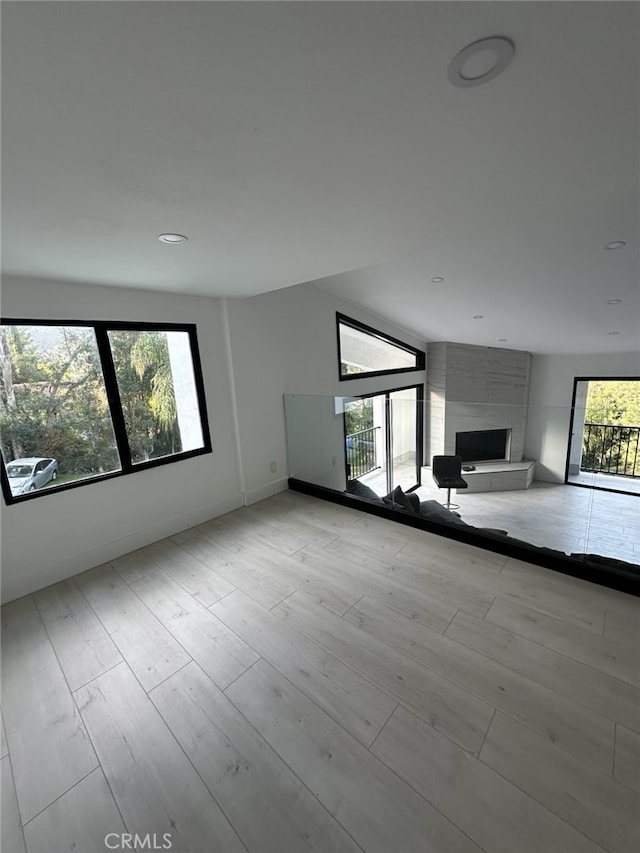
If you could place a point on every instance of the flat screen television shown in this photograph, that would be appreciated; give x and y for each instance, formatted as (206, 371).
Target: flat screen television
(482, 445)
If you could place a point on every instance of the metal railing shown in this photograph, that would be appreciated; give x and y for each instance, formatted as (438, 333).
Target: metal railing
(611, 449)
(362, 455)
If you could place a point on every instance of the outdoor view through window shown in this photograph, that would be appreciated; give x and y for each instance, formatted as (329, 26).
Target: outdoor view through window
(157, 391)
(60, 422)
(364, 351)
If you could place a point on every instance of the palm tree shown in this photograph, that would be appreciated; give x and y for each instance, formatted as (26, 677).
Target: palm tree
(150, 352)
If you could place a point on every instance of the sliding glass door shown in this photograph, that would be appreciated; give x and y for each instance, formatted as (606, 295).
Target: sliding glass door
(404, 438)
(383, 438)
(604, 439)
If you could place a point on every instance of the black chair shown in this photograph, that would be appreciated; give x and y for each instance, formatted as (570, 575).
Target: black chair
(447, 472)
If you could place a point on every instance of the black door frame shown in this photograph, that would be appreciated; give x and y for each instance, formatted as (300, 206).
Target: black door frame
(419, 388)
(587, 379)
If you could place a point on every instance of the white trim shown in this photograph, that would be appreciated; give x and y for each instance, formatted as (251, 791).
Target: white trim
(263, 492)
(71, 565)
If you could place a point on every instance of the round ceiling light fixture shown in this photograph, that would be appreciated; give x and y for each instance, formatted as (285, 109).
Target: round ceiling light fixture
(614, 301)
(480, 61)
(478, 316)
(172, 239)
(615, 244)
(613, 333)
(437, 279)
(502, 340)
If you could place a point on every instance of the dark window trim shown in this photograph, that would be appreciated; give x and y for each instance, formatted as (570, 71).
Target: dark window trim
(342, 319)
(101, 328)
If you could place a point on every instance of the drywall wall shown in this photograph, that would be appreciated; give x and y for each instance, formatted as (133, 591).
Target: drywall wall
(285, 342)
(58, 535)
(550, 394)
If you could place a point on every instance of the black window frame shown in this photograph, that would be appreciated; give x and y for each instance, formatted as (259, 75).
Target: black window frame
(101, 329)
(343, 320)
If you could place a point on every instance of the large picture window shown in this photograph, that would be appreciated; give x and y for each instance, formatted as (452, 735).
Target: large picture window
(364, 351)
(87, 401)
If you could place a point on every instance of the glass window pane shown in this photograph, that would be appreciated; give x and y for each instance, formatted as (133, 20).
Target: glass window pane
(157, 386)
(363, 437)
(55, 424)
(362, 352)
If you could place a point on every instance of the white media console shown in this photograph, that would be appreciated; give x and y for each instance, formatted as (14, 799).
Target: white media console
(497, 476)
(500, 476)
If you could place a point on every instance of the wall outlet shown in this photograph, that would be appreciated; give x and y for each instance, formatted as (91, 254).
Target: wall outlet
(273, 467)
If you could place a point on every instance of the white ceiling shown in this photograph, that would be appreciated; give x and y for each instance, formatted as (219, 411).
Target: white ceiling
(297, 142)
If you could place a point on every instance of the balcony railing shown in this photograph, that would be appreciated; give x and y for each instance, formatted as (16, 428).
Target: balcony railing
(362, 455)
(611, 449)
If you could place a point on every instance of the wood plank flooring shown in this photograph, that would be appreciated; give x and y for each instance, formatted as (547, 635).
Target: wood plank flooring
(295, 676)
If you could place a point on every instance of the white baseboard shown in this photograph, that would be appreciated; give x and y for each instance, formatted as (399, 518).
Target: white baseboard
(73, 564)
(173, 525)
(263, 492)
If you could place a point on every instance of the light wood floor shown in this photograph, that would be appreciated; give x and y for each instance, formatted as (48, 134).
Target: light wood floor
(299, 676)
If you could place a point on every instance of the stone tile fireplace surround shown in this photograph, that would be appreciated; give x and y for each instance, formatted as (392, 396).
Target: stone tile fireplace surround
(475, 388)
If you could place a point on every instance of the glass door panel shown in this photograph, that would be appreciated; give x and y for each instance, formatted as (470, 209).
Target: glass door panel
(403, 452)
(382, 440)
(604, 440)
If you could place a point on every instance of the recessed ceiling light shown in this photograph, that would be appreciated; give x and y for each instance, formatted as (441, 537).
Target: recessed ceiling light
(615, 244)
(613, 333)
(502, 340)
(480, 61)
(172, 239)
(614, 301)
(437, 279)
(478, 316)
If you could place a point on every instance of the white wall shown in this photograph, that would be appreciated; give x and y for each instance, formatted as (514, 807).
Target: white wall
(285, 342)
(56, 536)
(550, 396)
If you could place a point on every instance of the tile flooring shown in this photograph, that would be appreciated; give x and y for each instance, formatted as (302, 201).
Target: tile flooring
(563, 517)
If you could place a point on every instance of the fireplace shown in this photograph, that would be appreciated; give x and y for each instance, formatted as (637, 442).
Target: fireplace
(484, 445)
